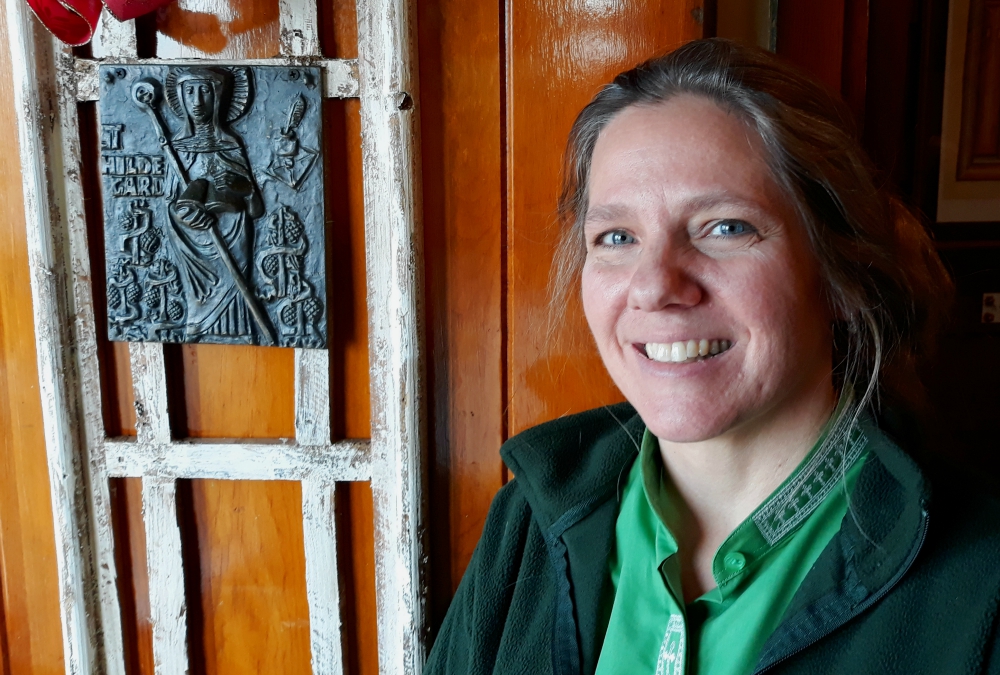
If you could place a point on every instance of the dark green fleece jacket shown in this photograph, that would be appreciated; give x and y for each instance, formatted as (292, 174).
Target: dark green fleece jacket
(910, 584)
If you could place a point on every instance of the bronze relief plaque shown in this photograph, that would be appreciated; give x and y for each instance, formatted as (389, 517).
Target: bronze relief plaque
(213, 204)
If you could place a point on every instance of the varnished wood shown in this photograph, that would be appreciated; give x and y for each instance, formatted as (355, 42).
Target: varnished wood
(559, 54)
(238, 392)
(27, 564)
(496, 104)
(239, 29)
(349, 381)
(854, 71)
(254, 612)
(461, 128)
(811, 35)
(253, 609)
(133, 578)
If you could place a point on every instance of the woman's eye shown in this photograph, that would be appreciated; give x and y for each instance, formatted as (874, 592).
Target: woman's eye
(732, 228)
(616, 238)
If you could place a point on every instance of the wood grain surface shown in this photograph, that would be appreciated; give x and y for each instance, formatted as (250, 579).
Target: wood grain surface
(500, 83)
(349, 385)
(560, 52)
(811, 35)
(229, 29)
(461, 139)
(32, 642)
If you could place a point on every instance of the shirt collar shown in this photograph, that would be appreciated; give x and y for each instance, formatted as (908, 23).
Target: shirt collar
(771, 523)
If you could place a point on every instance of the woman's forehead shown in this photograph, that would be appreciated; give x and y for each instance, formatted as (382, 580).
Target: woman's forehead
(686, 148)
(679, 122)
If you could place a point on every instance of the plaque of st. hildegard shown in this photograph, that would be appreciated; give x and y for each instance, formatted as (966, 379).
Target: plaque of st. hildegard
(213, 204)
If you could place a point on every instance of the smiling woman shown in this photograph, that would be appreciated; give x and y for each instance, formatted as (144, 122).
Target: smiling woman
(762, 305)
(689, 238)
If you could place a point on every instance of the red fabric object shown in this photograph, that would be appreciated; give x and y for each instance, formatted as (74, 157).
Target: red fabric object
(74, 21)
(123, 10)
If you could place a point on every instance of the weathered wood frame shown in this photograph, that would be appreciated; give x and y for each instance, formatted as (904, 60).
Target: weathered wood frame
(48, 83)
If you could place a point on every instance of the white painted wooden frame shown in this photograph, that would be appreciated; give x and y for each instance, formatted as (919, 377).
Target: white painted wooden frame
(48, 83)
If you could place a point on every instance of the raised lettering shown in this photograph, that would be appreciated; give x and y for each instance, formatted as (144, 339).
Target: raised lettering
(138, 186)
(111, 136)
(132, 165)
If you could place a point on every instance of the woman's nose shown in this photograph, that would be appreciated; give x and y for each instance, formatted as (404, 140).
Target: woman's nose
(663, 278)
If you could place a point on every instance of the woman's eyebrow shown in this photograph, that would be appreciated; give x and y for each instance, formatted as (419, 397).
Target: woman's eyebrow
(608, 213)
(721, 199)
(603, 213)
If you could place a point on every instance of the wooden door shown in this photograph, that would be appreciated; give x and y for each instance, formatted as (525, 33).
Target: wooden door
(499, 85)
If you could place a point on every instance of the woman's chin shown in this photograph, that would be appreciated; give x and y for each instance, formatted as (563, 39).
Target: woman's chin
(685, 424)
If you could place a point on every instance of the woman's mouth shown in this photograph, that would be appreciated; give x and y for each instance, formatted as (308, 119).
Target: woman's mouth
(684, 352)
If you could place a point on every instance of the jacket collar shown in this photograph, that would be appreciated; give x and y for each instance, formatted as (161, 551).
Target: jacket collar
(569, 471)
(878, 541)
(568, 466)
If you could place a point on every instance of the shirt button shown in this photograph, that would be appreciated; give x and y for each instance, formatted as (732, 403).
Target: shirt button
(735, 561)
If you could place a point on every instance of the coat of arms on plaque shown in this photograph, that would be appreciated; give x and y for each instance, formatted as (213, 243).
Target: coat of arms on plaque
(213, 204)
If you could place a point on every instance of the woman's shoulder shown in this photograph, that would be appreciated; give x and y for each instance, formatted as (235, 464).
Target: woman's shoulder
(965, 520)
(573, 460)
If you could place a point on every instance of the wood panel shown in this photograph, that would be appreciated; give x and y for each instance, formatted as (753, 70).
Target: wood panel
(854, 71)
(830, 41)
(243, 540)
(31, 626)
(224, 29)
(235, 391)
(890, 110)
(246, 574)
(500, 85)
(254, 614)
(979, 140)
(560, 52)
(133, 579)
(461, 109)
(811, 35)
(349, 382)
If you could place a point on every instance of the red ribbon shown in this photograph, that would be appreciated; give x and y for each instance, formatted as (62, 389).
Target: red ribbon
(74, 21)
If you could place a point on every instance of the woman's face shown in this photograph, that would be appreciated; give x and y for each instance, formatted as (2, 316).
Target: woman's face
(199, 99)
(691, 242)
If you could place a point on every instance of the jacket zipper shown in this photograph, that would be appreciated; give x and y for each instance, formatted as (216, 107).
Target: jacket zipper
(863, 606)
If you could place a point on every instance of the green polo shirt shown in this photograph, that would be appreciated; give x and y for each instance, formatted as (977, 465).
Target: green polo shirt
(757, 568)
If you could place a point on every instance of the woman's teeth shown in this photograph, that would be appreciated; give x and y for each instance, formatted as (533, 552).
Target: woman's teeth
(680, 352)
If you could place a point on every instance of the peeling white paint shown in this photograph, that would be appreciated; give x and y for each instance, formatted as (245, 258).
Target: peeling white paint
(238, 460)
(299, 32)
(165, 566)
(312, 396)
(340, 76)
(322, 579)
(387, 76)
(48, 83)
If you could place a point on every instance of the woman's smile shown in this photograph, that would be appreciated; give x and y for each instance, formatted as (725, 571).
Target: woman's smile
(683, 351)
(693, 253)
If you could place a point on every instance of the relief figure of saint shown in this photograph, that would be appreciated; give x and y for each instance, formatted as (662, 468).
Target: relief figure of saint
(217, 193)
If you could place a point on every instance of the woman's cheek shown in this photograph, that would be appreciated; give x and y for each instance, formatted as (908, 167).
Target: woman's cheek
(604, 292)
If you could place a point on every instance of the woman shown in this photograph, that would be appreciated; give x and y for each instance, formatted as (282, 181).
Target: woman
(754, 296)
(217, 193)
